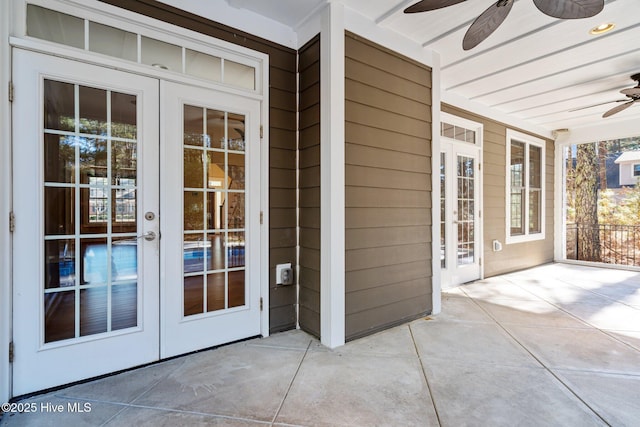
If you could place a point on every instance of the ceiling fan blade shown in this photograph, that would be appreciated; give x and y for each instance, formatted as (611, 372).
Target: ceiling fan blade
(632, 91)
(597, 105)
(486, 24)
(617, 109)
(570, 9)
(427, 5)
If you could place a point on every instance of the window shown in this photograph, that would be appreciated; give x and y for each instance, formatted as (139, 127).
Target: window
(636, 169)
(525, 187)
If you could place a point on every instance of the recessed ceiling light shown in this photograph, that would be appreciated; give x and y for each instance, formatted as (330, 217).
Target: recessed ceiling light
(602, 28)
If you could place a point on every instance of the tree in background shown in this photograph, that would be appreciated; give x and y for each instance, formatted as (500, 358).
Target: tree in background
(586, 202)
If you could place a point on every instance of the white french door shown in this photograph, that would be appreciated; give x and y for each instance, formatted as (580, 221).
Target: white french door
(460, 223)
(105, 162)
(210, 184)
(85, 165)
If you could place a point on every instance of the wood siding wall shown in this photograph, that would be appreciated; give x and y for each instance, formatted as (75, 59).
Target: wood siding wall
(282, 142)
(517, 256)
(309, 152)
(388, 188)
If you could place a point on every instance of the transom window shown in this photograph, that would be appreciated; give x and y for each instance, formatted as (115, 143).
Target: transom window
(525, 187)
(54, 26)
(458, 133)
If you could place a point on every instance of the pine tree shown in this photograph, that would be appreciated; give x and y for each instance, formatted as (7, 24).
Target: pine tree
(586, 199)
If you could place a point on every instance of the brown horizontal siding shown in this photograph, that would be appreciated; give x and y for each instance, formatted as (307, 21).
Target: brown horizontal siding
(513, 256)
(282, 139)
(309, 186)
(387, 188)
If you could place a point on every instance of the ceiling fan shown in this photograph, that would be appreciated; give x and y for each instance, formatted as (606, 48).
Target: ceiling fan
(632, 96)
(490, 19)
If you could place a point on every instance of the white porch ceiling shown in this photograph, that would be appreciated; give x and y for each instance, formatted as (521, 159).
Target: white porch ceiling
(534, 68)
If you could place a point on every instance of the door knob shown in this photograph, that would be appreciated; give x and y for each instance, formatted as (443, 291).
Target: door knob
(148, 236)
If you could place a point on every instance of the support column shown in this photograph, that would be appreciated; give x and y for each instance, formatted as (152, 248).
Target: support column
(436, 285)
(332, 176)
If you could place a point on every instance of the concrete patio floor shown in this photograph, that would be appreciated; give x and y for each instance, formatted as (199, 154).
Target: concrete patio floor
(554, 345)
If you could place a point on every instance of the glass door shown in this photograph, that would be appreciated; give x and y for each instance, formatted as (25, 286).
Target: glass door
(210, 193)
(460, 213)
(86, 204)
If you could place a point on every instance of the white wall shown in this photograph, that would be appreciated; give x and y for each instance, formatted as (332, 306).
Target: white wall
(626, 174)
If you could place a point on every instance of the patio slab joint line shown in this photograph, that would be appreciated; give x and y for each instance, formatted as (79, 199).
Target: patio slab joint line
(295, 374)
(424, 374)
(538, 360)
(586, 322)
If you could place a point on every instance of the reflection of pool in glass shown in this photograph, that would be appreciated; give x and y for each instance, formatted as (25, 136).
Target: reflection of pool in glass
(124, 261)
(124, 264)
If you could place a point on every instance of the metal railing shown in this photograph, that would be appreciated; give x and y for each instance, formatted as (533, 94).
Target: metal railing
(619, 244)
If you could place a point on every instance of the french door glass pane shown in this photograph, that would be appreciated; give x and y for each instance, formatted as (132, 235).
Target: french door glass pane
(214, 210)
(90, 210)
(466, 210)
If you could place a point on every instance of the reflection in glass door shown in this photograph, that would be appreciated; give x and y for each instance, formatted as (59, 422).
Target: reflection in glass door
(466, 215)
(214, 210)
(90, 246)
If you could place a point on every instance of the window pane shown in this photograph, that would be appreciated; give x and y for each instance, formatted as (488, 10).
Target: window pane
(517, 212)
(47, 24)
(517, 164)
(93, 110)
(193, 125)
(59, 106)
(215, 292)
(163, 55)
(535, 211)
(59, 158)
(123, 115)
(535, 166)
(59, 315)
(93, 311)
(113, 41)
(193, 295)
(636, 170)
(202, 65)
(59, 264)
(239, 75)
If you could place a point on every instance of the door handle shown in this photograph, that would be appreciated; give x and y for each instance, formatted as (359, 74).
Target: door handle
(148, 236)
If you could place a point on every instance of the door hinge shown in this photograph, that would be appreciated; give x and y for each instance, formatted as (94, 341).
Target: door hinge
(479, 214)
(480, 262)
(479, 166)
(11, 91)
(12, 222)
(261, 217)
(11, 352)
(261, 303)
(261, 131)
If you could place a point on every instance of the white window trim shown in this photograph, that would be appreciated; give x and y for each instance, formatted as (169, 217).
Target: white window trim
(528, 140)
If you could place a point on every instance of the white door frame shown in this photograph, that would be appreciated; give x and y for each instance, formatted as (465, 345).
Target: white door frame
(6, 23)
(452, 147)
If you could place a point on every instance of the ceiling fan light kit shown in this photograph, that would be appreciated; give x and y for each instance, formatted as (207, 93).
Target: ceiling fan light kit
(490, 19)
